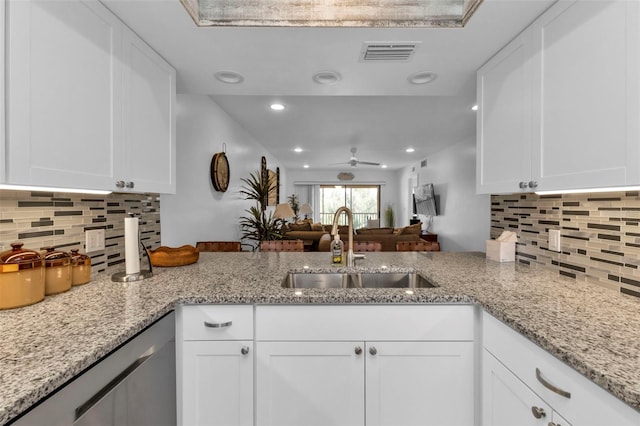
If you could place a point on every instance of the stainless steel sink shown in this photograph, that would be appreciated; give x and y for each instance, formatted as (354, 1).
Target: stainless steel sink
(356, 280)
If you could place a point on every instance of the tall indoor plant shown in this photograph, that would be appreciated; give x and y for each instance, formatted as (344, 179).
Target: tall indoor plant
(259, 225)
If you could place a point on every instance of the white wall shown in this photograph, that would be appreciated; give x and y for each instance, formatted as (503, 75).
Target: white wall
(197, 212)
(387, 179)
(464, 218)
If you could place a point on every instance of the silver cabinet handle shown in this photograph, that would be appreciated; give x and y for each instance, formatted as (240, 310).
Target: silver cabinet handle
(91, 402)
(373, 350)
(358, 350)
(120, 184)
(129, 185)
(550, 386)
(244, 350)
(533, 184)
(218, 324)
(523, 185)
(538, 412)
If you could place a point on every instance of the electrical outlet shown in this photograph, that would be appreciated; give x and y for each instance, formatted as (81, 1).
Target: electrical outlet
(554, 240)
(94, 240)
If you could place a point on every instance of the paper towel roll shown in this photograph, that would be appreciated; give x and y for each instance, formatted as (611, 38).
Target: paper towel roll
(131, 251)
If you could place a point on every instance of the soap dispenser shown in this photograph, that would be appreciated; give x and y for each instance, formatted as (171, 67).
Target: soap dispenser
(337, 251)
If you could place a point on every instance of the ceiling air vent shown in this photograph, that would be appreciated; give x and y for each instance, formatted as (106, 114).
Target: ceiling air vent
(388, 51)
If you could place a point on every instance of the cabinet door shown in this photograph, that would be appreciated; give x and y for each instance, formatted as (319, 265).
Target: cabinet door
(585, 132)
(506, 401)
(149, 118)
(420, 383)
(64, 92)
(503, 158)
(310, 383)
(217, 383)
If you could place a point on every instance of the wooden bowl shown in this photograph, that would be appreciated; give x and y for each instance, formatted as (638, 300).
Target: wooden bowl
(174, 256)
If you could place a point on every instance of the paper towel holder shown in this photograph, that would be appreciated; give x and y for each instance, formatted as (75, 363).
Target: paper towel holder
(123, 277)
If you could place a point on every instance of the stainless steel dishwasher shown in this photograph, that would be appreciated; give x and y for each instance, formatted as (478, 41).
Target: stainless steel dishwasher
(135, 385)
(143, 394)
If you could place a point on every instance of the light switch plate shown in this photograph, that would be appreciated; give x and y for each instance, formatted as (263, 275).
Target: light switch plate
(554, 240)
(94, 240)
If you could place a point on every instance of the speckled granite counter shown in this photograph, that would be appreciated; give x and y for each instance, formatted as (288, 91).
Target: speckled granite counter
(595, 330)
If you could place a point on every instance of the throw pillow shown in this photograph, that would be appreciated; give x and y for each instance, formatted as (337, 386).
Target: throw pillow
(411, 229)
(306, 226)
(316, 227)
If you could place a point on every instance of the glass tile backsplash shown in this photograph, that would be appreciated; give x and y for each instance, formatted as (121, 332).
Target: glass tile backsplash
(600, 234)
(41, 219)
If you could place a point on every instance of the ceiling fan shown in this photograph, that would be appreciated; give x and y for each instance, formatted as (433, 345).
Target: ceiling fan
(353, 161)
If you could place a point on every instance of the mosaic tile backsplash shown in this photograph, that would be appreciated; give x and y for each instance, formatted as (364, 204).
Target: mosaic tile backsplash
(600, 234)
(41, 219)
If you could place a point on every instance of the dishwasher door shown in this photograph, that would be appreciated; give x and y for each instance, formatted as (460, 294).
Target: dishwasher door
(144, 394)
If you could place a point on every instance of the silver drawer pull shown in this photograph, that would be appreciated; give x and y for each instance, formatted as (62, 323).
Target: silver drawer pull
(550, 386)
(218, 324)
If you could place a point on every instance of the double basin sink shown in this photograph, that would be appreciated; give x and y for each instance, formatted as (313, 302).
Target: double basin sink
(356, 280)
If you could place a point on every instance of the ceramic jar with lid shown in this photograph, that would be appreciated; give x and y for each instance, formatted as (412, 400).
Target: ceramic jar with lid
(21, 277)
(57, 275)
(81, 268)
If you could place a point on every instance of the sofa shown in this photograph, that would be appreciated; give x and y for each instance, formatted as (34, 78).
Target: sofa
(305, 231)
(388, 237)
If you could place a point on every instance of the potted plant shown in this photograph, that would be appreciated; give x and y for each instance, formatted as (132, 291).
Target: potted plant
(259, 225)
(389, 217)
(295, 204)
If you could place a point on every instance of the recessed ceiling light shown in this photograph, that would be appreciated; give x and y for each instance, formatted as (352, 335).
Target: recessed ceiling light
(306, 166)
(422, 77)
(327, 77)
(410, 150)
(384, 166)
(229, 77)
(297, 149)
(474, 108)
(276, 107)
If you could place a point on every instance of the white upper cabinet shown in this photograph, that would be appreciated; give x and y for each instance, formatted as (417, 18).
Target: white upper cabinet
(561, 102)
(63, 92)
(583, 115)
(503, 155)
(148, 118)
(90, 105)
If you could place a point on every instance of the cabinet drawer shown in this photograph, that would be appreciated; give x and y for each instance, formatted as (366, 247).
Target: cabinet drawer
(216, 322)
(365, 322)
(588, 404)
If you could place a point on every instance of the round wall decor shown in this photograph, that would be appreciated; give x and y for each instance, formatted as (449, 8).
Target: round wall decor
(220, 172)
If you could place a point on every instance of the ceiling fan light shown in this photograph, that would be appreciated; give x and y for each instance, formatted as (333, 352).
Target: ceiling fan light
(229, 77)
(327, 77)
(422, 77)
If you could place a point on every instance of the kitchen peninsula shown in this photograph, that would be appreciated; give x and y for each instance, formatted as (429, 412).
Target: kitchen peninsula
(47, 344)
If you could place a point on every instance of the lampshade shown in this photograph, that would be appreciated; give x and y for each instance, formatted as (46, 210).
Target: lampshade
(306, 209)
(283, 211)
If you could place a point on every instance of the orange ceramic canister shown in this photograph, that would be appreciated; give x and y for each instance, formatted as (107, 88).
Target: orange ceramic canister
(57, 275)
(21, 277)
(81, 268)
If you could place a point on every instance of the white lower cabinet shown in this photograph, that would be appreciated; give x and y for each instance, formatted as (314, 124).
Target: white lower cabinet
(419, 383)
(309, 383)
(220, 378)
(518, 378)
(507, 401)
(215, 365)
(349, 369)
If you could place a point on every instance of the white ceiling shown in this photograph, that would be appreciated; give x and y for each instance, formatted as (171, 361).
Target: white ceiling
(373, 107)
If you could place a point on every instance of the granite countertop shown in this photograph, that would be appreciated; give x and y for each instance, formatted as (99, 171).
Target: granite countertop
(593, 329)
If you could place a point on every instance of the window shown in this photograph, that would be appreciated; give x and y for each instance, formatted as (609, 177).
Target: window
(362, 200)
